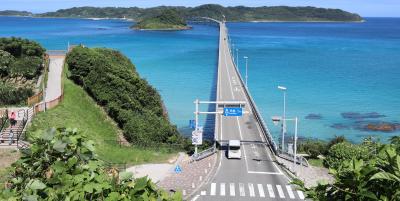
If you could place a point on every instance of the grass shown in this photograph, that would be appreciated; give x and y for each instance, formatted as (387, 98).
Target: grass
(8, 156)
(316, 162)
(79, 110)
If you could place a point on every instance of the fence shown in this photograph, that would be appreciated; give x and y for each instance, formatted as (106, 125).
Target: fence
(35, 98)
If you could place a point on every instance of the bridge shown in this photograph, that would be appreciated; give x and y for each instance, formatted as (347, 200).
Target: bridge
(256, 176)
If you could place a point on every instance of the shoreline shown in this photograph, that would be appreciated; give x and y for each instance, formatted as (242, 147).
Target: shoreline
(167, 29)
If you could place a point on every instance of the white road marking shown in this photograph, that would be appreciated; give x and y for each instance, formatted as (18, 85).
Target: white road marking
(213, 188)
(251, 190)
(273, 173)
(222, 189)
(241, 189)
(301, 195)
(203, 193)
(270, 191)
(232, 189)
(261, 190)
(280, 191)
(290, 192)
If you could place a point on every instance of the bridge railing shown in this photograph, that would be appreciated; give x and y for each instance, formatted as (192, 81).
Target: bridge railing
(256, 112)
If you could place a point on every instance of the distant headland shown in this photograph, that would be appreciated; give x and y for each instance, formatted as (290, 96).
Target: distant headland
(153, 18)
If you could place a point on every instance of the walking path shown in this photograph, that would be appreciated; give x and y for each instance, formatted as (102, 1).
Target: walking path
(53, 89)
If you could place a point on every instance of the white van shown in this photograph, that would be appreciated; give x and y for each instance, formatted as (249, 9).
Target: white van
(234, 149)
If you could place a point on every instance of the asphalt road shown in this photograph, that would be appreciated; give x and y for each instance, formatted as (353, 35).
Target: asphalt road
(255, 176)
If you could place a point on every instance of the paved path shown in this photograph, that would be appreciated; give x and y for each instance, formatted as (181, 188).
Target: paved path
(53, 89)
(256, 176)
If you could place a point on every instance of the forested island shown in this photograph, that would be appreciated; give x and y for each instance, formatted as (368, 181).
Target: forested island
(15, 13)
(168, 20)
(237, 13)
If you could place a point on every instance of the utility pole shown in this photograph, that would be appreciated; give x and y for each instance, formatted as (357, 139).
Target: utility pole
(282, 88)
(245, 57)
(196, 123)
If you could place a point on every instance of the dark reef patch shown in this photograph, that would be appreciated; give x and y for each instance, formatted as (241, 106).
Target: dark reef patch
(314, 116)
(360, 116)
(340, 126)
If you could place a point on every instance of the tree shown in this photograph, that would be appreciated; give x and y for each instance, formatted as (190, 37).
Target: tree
(363, 180)
(62, 165)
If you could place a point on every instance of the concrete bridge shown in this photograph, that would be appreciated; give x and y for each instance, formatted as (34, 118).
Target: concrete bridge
(256, 176)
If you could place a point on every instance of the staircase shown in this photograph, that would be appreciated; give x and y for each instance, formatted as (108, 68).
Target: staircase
(6, 140)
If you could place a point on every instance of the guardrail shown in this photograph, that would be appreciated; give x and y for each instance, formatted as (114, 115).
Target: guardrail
(299, 159)
(203, 154)
(256, 112)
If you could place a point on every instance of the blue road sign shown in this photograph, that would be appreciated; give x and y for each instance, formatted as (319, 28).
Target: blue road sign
(178, 169)
(233, 111)
(192, 123)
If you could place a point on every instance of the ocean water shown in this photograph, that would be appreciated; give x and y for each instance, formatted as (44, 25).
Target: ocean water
(328, 68)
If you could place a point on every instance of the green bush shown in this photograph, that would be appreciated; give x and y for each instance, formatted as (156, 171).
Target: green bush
(10, 95)
(346, 151)
(19, 47)
(313, 148)
(111, 79)
(63, 166)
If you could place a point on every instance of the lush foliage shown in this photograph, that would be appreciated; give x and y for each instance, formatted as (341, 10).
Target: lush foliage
(313, 148)
(168, 19)
(377, 178)
(110, 78)
(20, 65)
(63, 166)
(79, 110)
(341, 152)
(238, 13)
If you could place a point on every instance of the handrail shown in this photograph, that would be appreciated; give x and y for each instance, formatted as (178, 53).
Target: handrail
(257, 114)
(203, 154)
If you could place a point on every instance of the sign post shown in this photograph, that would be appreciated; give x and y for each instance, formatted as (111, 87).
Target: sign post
(233, 111)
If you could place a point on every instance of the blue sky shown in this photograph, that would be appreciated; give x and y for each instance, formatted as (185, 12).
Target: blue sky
(366, 8)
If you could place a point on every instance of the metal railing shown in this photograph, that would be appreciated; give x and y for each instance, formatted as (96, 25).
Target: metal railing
(256, 112)
(203, 154)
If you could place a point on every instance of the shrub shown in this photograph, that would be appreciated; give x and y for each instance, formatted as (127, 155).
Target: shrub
(10, 95)
(336, 140)
(63, 166)
(346, 151)
(313, 148)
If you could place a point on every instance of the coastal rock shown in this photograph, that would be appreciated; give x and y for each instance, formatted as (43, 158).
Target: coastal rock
(382, 126)
(357, 115)
(314, 116)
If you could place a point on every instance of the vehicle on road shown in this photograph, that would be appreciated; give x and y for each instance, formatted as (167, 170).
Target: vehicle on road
(234, 149)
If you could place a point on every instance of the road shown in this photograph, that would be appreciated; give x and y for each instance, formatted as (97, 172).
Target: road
(256, 176)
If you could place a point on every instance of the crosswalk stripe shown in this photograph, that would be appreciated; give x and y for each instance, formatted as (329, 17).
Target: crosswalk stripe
(301, 195)
(241, 189)
(222, 189)
(232, 189)
(270, 191)
(203, 193)
(251, 190)
(213, 188)
(290, 192)
(280, 191)
(261, 190)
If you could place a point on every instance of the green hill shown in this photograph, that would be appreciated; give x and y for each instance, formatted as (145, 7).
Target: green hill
(168, 20)
(237, 13)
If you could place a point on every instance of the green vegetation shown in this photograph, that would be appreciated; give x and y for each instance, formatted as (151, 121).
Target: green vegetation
(238, 13)
(358, 177)
(62, 165)
(79, 110)
(316, 162)
(168, 20)
(21, 63)
(15, 13)
(111, 79)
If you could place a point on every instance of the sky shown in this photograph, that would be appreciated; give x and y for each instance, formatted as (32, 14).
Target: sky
(366, 8)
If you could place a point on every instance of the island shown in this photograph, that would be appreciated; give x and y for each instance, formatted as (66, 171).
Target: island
(168, 20)
(232, 14)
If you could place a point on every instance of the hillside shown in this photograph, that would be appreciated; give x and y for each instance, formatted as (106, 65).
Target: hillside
(78, 110)
(167, 20)
(15, 13)
(237, 13)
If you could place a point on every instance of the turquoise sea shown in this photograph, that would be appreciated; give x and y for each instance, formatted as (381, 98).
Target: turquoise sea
(331, 70)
